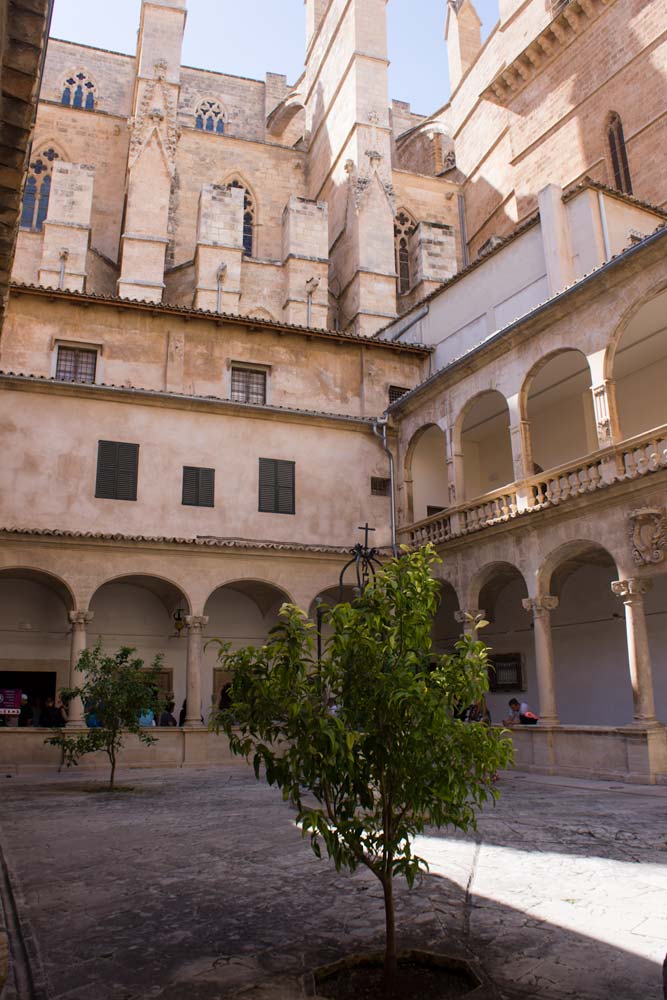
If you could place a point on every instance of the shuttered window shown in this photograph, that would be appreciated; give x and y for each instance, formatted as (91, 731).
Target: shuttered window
(276, 486)
(248, 385)
(198, 487)
(117, 469)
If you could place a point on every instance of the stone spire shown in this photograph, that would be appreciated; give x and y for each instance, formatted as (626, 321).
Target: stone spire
(463, 34)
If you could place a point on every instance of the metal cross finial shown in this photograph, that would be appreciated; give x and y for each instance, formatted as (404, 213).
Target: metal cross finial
(365, 528)
(365, 561)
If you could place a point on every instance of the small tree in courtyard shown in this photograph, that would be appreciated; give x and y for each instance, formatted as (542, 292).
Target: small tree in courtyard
(116, 692)
(371, 729)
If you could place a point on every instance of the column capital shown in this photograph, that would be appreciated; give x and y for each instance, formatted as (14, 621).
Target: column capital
(540, 605)
(470, 616)
(81, 618)
(632, 589)
(196, 622)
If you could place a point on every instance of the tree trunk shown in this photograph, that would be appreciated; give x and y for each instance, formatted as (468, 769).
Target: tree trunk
(112, 758)
(390, 961)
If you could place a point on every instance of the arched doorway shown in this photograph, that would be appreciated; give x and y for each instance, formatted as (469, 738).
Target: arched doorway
(426, 473)
(446, 630)
(559, 408)
(148, 614)
(485, 445)
(35, 630)
(241, 613)
(501, 589)
(589, 639)
(640, 369)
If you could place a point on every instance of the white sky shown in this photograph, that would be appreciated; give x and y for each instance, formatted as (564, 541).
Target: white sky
(256, 36)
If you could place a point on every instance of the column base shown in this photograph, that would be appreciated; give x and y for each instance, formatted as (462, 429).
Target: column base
(548, 722)
(195, 746)
(641, 725)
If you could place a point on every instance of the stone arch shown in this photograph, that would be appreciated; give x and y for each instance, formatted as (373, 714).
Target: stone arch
(484, 584)
(424, 478)
(482, 439)
(588, 635)
(636, 361)
(556, 402)
(161, 586)
(44, 577)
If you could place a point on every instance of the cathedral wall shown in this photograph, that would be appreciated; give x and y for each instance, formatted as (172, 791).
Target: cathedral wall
(111, 72)
(242, 100)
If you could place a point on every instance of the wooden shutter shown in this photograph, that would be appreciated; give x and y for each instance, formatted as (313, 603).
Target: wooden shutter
(117, 470)
(276, 486)
(198, 487)
(190, 486)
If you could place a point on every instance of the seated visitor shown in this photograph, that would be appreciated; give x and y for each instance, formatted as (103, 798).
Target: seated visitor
(167, 716)
(52, 716)
(521, 714)
(26, 715)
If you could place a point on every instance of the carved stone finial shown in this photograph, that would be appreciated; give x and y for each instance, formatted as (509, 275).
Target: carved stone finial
(648, 535)
(540, 605)
(160, 69)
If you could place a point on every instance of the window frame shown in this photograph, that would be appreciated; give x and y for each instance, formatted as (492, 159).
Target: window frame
(507, 688)
(78, 350)
(130, 458)
(378, 490)
(83, 345)
(250, 368)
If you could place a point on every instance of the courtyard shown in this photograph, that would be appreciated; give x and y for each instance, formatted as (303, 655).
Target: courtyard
(196, 884)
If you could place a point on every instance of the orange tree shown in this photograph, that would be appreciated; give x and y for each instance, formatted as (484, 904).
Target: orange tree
(370, 730)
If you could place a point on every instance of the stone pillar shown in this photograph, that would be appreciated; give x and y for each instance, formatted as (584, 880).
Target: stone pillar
(454, 459)
(195, 625)
(468, 618)
(80, 621)
(67, 227)
(522, 450)
(632, 593)
(219, 251)
(541, 608)
(607, 424)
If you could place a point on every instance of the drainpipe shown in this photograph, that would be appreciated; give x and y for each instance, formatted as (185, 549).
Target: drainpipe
(380, 431)
(311, 287)
(605, 229)
(222, 270)
(464, 230)
(64, 254)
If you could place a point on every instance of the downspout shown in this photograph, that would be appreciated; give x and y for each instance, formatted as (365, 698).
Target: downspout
(380, 431)
(464, 230)
(222, 270)
(64, 254)
(605, 228)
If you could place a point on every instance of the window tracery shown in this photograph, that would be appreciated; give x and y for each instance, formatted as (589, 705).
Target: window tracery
(209, 117)
(38, 189)
(618, 152)
(404, 227)
(248, 217)
(79, 92)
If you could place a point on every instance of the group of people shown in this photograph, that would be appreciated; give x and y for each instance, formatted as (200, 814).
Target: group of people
(48, 715)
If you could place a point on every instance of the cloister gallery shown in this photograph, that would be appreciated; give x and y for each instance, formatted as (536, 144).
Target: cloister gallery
(327, 311)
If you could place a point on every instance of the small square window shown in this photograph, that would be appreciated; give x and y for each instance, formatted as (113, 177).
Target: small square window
(506, 672)
(380, 487)
(198, 487)
(249, 386)
(76, 364)
(431, 511)
(396, 391)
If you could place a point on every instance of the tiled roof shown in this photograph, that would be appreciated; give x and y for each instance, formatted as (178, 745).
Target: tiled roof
(588, 182)
(164, 394)
(169, 310)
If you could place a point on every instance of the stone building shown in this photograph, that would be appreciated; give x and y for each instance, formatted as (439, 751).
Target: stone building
(247, 316)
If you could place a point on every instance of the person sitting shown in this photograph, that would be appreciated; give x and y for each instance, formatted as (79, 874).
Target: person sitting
(26, 714)
(51, 717)
(147, 718)
(167, 716)
(521, 714)
(479, 712)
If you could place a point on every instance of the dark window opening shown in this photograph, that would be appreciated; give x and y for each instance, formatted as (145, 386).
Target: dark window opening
(76, 365)
(198, 487)
(248, 219)
(117, 470)
(209, 117)
(506, 672)
(404, 226)
(619, 155)
(380, 487)
(37, 190)
(396, 391)
(432, 510)
(276, 486)
(248, 386)
(79, 92)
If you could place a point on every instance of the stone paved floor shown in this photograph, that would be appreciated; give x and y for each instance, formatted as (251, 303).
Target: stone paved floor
(197, 885)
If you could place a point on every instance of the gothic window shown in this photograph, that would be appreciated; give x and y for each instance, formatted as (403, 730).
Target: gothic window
(209, 117)
(79, 92)
(404, 226)
(38, 189)
(619, 156)
(248, 218)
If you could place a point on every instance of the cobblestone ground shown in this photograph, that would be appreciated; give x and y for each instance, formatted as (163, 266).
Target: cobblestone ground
(197, 885)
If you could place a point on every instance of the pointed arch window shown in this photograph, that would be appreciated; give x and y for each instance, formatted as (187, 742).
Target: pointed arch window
(404, 227)
(79, 92)
(209, 117)
(618, 153)
(38, 190)
(248, 218)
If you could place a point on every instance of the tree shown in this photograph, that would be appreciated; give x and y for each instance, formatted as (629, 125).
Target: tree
(118, 691)
(371, 730)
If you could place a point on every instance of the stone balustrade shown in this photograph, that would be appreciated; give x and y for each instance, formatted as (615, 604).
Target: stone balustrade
(628, 460)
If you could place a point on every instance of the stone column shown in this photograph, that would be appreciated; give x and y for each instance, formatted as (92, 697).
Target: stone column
(80, 621)
(468, 618)
(454, 462)
(522, 450)
(195, 624)
(632, 593)
(607, 423)
(541, 608)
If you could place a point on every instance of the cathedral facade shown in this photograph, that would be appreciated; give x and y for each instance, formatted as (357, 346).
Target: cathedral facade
(248, 317)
